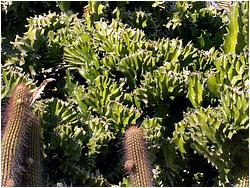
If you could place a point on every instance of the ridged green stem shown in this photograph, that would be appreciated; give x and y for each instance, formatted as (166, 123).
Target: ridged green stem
(136, 158)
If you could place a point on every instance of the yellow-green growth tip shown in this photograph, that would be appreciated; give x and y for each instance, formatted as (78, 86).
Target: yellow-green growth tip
(136, 159)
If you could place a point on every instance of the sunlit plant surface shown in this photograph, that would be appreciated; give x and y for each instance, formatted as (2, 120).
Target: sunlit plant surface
(179, 70)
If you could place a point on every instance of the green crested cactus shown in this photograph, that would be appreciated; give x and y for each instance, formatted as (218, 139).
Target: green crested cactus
(13, 138)
(195, 90)
(123, 65)
(33, 170)
(136, 159)
(230, 40)
(236, 37)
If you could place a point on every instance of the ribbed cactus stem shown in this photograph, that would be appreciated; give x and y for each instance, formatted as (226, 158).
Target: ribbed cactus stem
(33, 174)
(136, 158)
(15, 128)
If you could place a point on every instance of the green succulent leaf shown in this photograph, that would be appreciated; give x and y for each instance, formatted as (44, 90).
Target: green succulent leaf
(195, 90)
(179, 70)
(213, 86)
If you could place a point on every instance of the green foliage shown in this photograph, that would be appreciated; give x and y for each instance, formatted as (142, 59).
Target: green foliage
(160, 85)
(231, 69)
(195, 90)
(63, 5)
(231, 38)
(198, 23)
(62, 139)
(10, 78)
(211, 131)
(177, 69)
(236, 37)
(100, 93)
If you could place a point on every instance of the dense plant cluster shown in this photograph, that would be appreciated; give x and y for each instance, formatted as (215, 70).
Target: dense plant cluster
(179, 70)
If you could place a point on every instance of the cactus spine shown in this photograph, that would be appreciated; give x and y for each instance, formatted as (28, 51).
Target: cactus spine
(243, 177)
(136, 159)
(15, 128)
(33, 174)
(241, 170)
(21, 142)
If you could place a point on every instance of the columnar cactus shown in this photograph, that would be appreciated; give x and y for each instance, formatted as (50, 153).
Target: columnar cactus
(243, 177)
(13, 138)
(33, 170)
(136, 158)
(241, 170)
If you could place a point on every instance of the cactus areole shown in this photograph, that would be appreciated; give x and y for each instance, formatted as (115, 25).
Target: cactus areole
(12, 146)
(20, 142)
(136, 159)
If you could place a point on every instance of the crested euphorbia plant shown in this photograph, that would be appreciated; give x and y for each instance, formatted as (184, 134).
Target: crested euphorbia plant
(178, 70)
